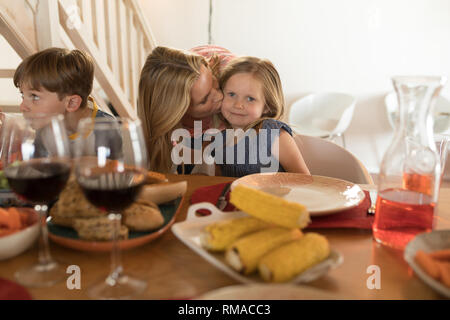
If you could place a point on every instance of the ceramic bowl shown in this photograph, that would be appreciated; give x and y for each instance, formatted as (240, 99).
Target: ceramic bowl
(17, 242)
(428, 242)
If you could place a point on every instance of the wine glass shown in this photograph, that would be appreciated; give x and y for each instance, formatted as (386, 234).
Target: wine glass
(111, 162)
(36, 159)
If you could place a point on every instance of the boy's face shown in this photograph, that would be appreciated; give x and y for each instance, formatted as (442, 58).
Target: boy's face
(243, 100)
(35, 103)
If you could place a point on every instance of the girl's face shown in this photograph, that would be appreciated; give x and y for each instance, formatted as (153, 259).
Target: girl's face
(243, 100)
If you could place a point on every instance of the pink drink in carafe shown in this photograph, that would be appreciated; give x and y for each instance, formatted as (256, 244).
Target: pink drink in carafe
(408, 185)
(401, 215)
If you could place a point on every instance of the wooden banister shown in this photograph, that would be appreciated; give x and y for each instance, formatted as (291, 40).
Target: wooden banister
(7, 73)
(114, 32)
(148, 35)
(102, 71)
(47, 25)
(13, 30)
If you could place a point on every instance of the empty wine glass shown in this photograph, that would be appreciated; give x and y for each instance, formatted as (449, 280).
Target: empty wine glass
(111, 162)
(36, 160)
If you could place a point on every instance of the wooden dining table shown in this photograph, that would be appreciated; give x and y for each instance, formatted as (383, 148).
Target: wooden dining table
(173, 271)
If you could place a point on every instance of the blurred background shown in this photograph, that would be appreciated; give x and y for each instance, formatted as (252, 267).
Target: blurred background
(349, 46)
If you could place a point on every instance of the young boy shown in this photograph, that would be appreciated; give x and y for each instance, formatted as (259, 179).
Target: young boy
(58, 81)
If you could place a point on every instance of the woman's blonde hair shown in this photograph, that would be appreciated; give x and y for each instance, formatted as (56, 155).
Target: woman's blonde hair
(264, 71)
(164, 98)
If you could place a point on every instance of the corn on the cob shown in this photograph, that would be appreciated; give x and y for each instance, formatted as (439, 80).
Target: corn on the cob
(269, 208)
(293, 258)
(218, 236)
(244, 254)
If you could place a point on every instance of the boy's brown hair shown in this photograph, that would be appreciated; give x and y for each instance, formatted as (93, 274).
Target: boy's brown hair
(58, 70)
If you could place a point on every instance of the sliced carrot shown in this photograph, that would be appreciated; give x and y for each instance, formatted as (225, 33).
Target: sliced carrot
(441, 255)
(5, 221)
(444, 269)
(427, 264)
(15, 218)
(8, 223)
(24, 218)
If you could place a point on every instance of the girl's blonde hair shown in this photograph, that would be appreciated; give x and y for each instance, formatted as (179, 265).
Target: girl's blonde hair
(264, 71)
(164, 98)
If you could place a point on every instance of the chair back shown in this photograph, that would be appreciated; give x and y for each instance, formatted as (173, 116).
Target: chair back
(325, 158)
(322, 114)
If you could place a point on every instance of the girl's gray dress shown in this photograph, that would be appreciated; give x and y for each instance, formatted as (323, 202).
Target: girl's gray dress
(253, 151)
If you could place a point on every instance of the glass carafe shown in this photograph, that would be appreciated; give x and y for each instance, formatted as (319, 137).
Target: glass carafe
(408, 186)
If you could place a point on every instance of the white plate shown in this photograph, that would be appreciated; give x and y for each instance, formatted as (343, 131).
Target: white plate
(428, 242)
(321, 195)
(268, 292)
(189, 232)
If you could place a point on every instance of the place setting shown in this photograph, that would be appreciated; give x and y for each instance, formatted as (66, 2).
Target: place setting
(204, 217)
(331, 202)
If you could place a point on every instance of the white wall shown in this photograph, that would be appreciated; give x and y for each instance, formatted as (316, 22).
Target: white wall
(353, 46)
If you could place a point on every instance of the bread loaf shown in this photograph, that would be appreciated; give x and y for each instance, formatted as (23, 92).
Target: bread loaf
(163, 192)
(73, 204)
(98, 229)
(155, 177)
(143, 216)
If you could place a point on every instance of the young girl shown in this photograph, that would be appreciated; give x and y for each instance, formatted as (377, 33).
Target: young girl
(253, 101)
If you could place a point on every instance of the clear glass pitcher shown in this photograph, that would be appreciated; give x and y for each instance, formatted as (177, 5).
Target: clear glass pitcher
(409, 179)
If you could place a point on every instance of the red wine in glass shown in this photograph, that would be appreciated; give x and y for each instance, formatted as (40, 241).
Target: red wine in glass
(112, 191)
(111, 172)
(36, 160)
(36, 181)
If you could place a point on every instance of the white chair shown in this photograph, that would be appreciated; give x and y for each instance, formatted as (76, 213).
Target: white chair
(441, 112)
(324, 115)
(326, 158)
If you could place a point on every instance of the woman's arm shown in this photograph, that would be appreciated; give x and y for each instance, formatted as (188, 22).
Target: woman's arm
(288, 154)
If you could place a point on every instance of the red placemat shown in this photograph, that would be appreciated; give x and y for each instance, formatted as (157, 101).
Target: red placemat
(9, 290)
(211, 194)
(356, 217)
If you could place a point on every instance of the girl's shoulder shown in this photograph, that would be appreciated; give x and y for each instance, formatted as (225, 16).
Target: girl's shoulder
(276, 124)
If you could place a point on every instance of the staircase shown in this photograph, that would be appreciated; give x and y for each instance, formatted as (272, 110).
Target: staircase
(113, 32)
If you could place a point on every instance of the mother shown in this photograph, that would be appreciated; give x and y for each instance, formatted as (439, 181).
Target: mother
(176, 88)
